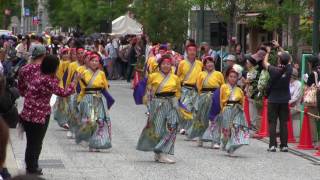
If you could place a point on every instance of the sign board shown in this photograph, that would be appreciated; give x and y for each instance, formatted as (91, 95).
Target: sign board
(26, 11)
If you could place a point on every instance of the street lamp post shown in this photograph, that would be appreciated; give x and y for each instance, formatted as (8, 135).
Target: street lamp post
(315, 32)
(22, 17)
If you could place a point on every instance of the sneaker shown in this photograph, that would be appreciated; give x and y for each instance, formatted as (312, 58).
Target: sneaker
(272, 149)
(284, 149)
(37, 171)
(215, 146)
(164, 159)
(183, 131)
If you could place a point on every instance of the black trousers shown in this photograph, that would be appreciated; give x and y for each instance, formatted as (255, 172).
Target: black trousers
(275, 111)
(35, 134)
(130, 71)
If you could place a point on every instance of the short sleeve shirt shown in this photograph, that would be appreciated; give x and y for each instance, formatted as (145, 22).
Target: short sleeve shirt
(279, 84)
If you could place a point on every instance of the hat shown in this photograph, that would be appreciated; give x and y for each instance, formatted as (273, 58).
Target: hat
(230, 57)
(37, 50)
(295, 73)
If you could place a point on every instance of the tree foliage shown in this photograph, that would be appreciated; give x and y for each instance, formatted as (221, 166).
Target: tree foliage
(165, 20)
(15, 7)
(87, 14)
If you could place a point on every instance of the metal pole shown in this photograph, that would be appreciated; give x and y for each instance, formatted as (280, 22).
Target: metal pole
(303, 70)
(22, 16)
(315, 32)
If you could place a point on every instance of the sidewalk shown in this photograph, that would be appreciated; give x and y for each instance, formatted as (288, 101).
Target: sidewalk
(306, 154)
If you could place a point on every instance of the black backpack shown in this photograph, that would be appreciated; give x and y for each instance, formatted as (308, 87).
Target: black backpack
(8, 108)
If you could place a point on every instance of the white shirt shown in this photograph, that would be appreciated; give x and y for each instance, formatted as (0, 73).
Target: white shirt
(1, 69)
(21, 50)
(295, 92)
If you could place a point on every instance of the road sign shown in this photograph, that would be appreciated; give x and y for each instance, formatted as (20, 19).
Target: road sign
(26, 11)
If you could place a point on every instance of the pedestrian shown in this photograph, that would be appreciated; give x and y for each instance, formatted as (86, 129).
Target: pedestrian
(207, 82)
(313, 80)
(278, 98)
(111, 60)
(22, 50)
(295, 101)
(234, 128)
(4, 140)
(31, 70)
(60, 110)
(36, 110)
(251, 90)
(132, 58)
(160, 132)
(95, 127)
(188, 71)
(229, 60)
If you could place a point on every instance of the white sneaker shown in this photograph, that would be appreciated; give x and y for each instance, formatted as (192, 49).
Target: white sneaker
(164, 159)
(215, 146)
(69, 134)
(182, 131)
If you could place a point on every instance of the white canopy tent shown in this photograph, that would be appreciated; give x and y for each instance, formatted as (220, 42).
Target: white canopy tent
(124, 25)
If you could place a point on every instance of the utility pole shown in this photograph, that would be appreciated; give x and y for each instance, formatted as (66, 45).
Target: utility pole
(22, 17)
(315, 32)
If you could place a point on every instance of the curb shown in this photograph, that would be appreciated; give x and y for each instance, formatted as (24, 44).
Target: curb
(303, 154)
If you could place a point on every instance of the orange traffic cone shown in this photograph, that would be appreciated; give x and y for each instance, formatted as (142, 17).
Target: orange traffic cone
(291, 138)
(305, 135)
(317, 153)
(263, 131)
(246, 110)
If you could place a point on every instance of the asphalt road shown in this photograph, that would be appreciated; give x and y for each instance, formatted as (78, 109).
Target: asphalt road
(61, 158)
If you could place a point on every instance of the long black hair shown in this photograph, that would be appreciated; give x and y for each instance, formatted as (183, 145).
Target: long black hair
(50, 64)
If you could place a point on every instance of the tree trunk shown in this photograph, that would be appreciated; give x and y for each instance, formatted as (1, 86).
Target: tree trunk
(231, 21)
(294, 30)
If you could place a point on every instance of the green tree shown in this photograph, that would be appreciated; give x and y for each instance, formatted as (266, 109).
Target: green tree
(87, 14)
(165, 20)
(15, 7)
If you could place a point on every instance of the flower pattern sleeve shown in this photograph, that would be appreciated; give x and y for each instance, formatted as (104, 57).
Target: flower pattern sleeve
(22, 86)
(54, 88)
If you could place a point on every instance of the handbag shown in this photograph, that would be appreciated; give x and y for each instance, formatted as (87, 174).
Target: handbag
(310, 94)
(11, 115)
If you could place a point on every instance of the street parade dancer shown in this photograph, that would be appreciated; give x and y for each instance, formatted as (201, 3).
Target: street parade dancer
(234, 128)
(159, 134)
(188, 71)
(95, 124)
(73, 111)
(60, 110)
(207, 82)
